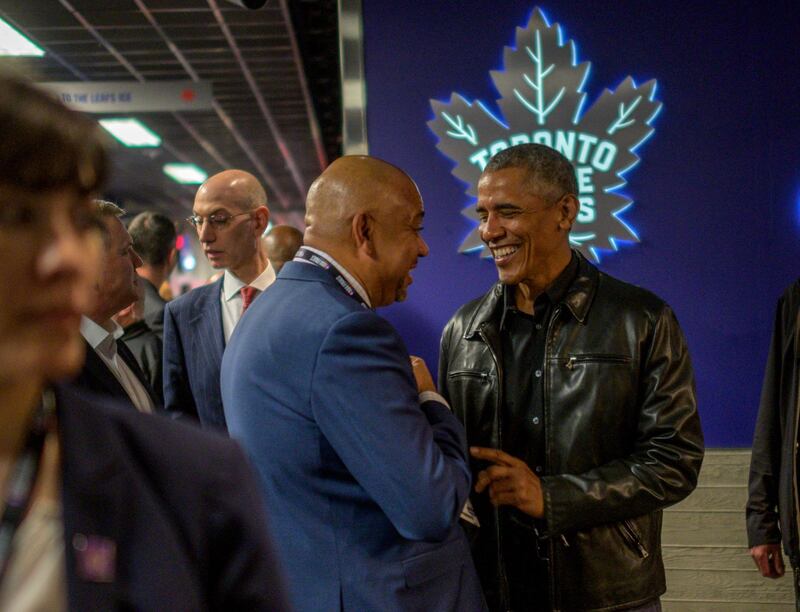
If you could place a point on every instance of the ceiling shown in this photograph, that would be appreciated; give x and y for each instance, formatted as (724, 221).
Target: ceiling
(275, 79)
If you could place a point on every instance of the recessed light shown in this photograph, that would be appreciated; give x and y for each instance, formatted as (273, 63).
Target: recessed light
(131, 132)
(185, 174)
(12, 43)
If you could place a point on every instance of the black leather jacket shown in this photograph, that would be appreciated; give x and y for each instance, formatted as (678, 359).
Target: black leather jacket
(623, 437)
(772, 500)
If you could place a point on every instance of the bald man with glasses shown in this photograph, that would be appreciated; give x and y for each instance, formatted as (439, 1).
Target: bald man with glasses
(230, 214)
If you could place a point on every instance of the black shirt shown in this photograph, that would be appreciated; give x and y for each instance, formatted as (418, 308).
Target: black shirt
(523, 339)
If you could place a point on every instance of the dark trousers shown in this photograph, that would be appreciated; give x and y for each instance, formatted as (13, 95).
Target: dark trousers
(796, 576)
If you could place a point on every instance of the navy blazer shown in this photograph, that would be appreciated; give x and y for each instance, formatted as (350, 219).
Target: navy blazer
(159, 515)
(364, 483)
(193, 346)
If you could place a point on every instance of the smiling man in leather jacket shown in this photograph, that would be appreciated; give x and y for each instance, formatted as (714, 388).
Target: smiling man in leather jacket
(577, 395)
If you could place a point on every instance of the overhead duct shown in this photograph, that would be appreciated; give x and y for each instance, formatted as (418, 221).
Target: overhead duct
(249, 4)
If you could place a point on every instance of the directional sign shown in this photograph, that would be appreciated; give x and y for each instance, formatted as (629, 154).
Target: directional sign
(133, 97)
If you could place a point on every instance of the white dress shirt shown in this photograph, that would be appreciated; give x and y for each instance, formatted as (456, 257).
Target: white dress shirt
(231, 298)
(104, 342)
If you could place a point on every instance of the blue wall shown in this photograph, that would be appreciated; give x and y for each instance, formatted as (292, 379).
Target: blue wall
(717, 194)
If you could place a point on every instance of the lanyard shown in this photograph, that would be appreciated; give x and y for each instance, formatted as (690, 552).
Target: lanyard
(322, 262)
(23, 476)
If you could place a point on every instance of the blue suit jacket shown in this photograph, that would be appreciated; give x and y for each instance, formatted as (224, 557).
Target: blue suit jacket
(175, 514)
(364, 484)
(193, 346)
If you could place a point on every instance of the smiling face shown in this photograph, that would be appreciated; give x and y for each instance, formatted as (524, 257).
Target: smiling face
(49, 260)
(398, 242)
(528, 234)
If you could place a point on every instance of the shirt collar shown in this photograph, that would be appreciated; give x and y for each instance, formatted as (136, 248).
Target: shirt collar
(362, 293)
(231, 284)
(554, 293)
(96, 334)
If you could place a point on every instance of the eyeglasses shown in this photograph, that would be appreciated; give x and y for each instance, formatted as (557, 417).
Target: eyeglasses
(217, 221)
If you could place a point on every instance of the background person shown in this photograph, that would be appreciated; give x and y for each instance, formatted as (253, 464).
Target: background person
(143, 343)
(230, 214)
(282, 243)
(112, 509)
(110, 367)
(771, 502)
(153, 236)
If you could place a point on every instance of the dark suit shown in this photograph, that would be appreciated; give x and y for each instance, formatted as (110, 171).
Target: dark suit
(364, 483)
(176, 512)
(153, 308)
(147, 348)
(193, 346)
(95, 376)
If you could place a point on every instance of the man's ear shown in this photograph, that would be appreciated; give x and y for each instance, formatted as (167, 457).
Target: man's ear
(363, 228)
(568, 207)
(261, 219)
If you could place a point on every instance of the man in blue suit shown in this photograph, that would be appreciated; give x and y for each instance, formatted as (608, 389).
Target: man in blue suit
(364, 467)
(230, 214)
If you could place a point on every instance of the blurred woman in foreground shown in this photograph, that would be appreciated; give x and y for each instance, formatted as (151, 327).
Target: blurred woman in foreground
(102, 508)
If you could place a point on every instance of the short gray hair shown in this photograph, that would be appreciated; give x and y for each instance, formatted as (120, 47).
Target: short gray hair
(547, 170)
(102, 210)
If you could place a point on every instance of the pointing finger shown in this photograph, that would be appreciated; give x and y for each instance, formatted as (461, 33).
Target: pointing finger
(494, 455)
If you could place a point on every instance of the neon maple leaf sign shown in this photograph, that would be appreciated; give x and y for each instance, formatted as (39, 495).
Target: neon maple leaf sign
(542, 97)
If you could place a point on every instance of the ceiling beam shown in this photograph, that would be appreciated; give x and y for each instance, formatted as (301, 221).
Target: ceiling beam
(291, 163)
(269, 179)
(313, 123)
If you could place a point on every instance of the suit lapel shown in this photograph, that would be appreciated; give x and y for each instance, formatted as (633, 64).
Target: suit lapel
(209, 338)
(125, 354)
(97, 377)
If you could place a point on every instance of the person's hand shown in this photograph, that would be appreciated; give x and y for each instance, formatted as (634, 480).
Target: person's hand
(422, 375)
(510, 482)
(768, 559)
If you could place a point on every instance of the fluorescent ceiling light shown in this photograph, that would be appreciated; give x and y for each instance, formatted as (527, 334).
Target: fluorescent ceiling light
(14, 43)
(185, 174)
(131, 132)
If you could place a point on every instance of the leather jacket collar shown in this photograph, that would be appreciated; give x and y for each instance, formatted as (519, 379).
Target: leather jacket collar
(578, 299)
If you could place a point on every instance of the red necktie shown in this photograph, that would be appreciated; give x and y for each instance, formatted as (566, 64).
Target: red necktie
(248, 295)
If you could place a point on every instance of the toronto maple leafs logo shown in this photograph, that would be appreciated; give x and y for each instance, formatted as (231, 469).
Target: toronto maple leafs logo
(541, 101)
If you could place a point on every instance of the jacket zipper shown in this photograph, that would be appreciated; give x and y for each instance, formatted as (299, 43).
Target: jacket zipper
(630, 534)
(595, 358)
(470, 373)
